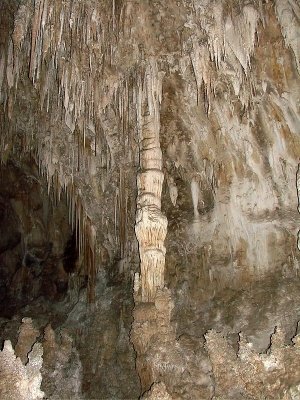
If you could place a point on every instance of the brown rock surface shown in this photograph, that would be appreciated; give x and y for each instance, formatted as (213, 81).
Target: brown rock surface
(148, 196)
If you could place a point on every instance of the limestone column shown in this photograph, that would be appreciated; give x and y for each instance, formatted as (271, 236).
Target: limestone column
(298, 194)
(151, 224)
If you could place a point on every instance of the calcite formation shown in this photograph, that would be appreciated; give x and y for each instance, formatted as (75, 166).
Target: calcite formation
(158, 392)
(62, 369)
(26, 339)
(272, 375)
(96, 71)
(41, 365)
(298, 194)
(166, 136)
(151, 224)
(19, 381)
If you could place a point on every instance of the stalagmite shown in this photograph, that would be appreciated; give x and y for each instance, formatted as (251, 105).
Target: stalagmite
(298, 196)
(112, 99)
(195, 196)
(19, 381)
(151, 224)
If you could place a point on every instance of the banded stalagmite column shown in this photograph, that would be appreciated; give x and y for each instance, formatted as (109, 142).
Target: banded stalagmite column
(151, 224)
(298, 194)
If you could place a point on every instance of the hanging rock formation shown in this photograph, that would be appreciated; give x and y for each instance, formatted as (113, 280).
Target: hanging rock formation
(166, 135)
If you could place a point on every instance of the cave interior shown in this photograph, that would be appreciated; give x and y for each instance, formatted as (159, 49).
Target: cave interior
(149, 199)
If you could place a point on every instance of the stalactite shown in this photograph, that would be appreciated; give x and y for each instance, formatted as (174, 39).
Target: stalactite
(2, 70)
(85, 239)
(34, 38)
(10, 66)
(173, 191)
(195, 196)
(202, 70)
(288, 13)
(90, 243)
(227, 46)
(122, 214)
(73, 54)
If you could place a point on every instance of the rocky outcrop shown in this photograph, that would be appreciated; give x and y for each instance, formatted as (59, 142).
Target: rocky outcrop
(157, 392)
(41, 365)
(62, 369)
(248, 375)
(180, 364)
(19, 381)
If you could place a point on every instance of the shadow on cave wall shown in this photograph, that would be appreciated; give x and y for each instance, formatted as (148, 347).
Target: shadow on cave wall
(37, 246)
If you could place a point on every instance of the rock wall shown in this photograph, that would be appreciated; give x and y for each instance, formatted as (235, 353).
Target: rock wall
(272, 375)
(35, 233)
(40, 361)
(228, 118)
(17, 380)
(177, 122)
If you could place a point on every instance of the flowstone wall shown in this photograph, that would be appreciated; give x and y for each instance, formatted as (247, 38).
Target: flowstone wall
(172, 129)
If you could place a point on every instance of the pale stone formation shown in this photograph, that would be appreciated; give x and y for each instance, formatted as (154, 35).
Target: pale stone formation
(62, 369)
(298, 195)
(161, 357)
(229, 91)
(249, 375)
(50, 368)
(151, 224)
(122, 95)
(26, 339)
(157, 392)
(19, 381)
(195, 196)
(287, 14)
